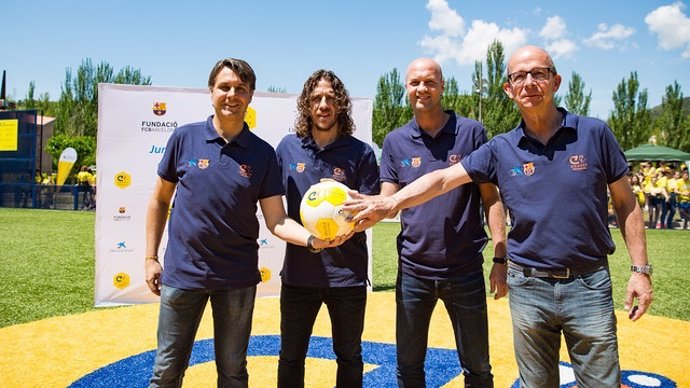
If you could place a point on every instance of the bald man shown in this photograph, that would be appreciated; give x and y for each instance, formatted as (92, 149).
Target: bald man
(441, 242)
(553, 171)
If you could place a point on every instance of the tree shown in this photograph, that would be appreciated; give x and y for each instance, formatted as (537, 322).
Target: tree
(630, 119)
(391, 110)
(29, 101)
(78, 104)
(84, 145)
(456, 101)
(499, 113)
(673, 125)
(575, 100)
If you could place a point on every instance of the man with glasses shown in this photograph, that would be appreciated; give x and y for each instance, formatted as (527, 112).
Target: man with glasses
(553, 171)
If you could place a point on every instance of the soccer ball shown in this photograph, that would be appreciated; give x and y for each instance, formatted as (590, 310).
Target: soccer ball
(321, 211)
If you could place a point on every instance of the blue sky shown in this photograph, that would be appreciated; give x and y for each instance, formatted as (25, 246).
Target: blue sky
(177, 43)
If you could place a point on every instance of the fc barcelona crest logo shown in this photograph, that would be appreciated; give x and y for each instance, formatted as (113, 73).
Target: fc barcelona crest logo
(301, 167)
(416, 162)
(159, 108)
(246, 170)
(202, 164)
(528, 168)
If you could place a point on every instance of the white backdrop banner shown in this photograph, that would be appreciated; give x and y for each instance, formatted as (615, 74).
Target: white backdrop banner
(134, 123)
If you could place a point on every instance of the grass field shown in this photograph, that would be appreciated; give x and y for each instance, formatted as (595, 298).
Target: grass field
(47, 265)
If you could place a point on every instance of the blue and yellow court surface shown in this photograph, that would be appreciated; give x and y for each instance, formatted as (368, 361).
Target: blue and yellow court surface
(115, 348)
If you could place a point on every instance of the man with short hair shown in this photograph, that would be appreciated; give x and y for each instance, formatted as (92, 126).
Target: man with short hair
(218, 171)
(323, 148)
(553, 171)
(441, 242)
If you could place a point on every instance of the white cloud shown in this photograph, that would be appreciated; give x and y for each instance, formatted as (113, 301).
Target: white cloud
(671, 26)
(453, 43)
(554, 28)
(445, 19)
(561, 48)
(608, 38)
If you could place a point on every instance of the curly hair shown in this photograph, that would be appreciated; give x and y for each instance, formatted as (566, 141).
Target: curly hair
(343, 105)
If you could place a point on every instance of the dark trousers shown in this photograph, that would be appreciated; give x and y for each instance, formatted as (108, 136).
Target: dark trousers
(299, 307)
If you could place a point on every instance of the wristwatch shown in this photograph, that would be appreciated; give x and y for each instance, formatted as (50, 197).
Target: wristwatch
(500, 260)
(645, 269)
(310, 245)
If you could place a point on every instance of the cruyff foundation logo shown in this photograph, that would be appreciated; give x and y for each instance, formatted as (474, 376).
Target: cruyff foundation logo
(245, 170)
(454, 159)
(159, 108)
(577, 162)
(339, 174)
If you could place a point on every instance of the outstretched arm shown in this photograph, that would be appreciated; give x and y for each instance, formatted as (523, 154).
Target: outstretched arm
(373, 209)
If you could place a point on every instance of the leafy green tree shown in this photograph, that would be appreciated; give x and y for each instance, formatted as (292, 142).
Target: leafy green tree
(29, 101)
(78, 105)
(630, 119)
(672, 127)
(454, 100)
(391, 108)
(499, 113)
(575, 100)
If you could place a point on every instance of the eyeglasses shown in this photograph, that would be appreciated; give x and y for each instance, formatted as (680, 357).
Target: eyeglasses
(538, 74)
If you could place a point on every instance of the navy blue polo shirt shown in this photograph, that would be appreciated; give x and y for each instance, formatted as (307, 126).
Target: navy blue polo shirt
(348, 161)
(213, 229)
(443, 237)
(556, 193)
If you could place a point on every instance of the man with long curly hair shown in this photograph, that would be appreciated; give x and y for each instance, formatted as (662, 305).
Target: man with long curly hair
(323, 147)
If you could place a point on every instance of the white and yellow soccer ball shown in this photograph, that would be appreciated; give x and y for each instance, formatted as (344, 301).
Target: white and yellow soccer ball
(321, 210)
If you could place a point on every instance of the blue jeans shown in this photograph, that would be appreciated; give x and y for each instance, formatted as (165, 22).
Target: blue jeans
(582, 309)
(178, 321)
(465, 299)
(299, 307)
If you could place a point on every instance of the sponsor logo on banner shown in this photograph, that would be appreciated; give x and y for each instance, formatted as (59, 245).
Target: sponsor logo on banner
(250, 117)
(265, 274)
(123, 179)
(159, 108)
(121, 280)
(121, 247)
(577, 162)
(122, 215)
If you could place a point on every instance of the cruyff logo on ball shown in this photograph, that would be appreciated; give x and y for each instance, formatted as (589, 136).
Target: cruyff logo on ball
(159, 108)
(245, 170)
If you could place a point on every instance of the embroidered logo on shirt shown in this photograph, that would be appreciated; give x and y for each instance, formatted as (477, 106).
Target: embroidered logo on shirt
(245, 170)
(191, 163)
(203, 163)
(339, 174)
(299, 167)
(528, 168)
(405, 163)
(454, 159)
(516, 171)
(577, 162)
(416, 162)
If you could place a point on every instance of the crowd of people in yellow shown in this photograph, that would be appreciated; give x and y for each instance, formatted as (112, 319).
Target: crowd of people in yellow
(663, 190)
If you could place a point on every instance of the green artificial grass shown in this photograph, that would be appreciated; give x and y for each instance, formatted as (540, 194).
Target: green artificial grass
(47, 265)
(668, 251)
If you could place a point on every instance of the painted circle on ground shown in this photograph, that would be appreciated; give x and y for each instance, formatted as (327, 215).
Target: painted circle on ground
(441, 365)
(629, 379)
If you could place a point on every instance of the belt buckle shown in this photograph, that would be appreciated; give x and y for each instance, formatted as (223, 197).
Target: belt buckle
(558, 276)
